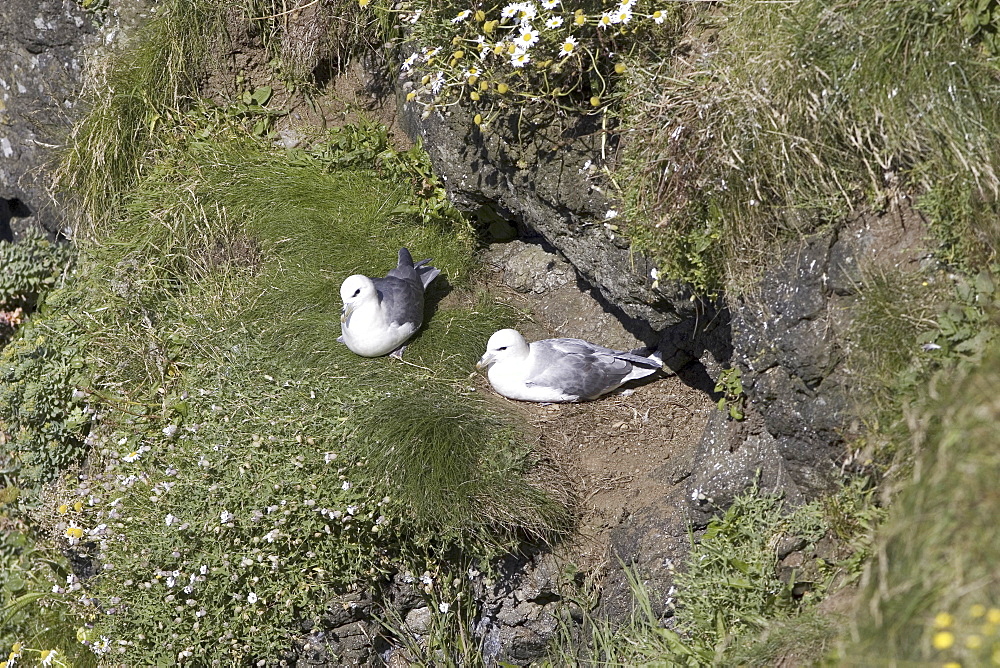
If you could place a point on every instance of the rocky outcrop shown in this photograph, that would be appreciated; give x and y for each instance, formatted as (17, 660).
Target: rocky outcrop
(541, 171)
(42, 42)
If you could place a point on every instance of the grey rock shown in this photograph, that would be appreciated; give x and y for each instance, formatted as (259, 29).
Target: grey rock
(732, 456)
(540, 173)
(42, 42)
(418, 620)
(528, 267)
(651, 543)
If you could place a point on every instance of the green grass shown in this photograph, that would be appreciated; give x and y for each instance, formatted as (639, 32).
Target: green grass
(730, 606)
(242, 467)
(802, 113)
(937, 550)
(211, 317)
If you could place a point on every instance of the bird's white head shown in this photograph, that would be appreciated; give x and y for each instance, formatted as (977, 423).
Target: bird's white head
(354, 291)
(506, 344)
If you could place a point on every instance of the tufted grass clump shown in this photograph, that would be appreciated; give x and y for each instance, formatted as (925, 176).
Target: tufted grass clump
(796, 114)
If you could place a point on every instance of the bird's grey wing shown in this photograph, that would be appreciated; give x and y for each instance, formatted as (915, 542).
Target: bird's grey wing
(577, 367)
(404, 269)
(402, 300)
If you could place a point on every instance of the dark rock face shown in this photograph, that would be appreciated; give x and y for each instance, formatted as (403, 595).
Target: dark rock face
(541, 172)
(41, 42)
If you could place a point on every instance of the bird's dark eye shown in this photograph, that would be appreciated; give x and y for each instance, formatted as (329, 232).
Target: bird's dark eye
(502, 348)
(356, 292)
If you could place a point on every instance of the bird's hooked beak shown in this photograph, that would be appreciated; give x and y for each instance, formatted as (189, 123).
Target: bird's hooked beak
(484, 362)
(345, 313)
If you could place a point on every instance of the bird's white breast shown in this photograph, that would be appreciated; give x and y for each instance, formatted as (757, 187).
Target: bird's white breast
(509, 379)
(367, 333)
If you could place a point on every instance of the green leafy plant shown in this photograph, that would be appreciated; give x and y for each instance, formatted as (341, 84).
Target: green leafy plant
(733, 399)
(28, 268)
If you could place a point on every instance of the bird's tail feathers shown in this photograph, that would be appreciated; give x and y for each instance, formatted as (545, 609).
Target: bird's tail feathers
(645, 356)
(426, 272)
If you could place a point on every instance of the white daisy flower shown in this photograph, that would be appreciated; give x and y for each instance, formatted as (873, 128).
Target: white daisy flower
(659, 16)
(251, 598)
(437, 83)
(408, 63)
(520, 59)
(430, 53)
(443, 607)
(554, 22)
(415, 16)
(568, 46)
(131, 457)
(462, 15)
(622, 15)
(605, 20)
(526, 38)
(550, 4)
(510, 10)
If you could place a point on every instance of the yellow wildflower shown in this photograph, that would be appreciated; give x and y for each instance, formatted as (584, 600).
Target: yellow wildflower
(943, 620)
(943, 640)
(74, 532)
(502, 88)
(78, 506)
(620, 68)
(993, 616)
(478, 120)
(63, 509)
(595, 101)
(977, 610)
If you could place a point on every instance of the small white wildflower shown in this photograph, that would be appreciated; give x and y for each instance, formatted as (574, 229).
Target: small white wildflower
(509, 11)
(251, 598)
(351, 510)
(329, 457)
(605, 20)
(550, 4)
(170, 430)
(554, 22)
(437, 83)
(520, 59)
(225, 516)
(131, 457)
(612, 213)
(567, 48)
(623, 15)
(659, 16)
(526, 38)
(443, 607)
(408, 63)
(413, 18)
(345, 486)
(462, 15)
(927, 347)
